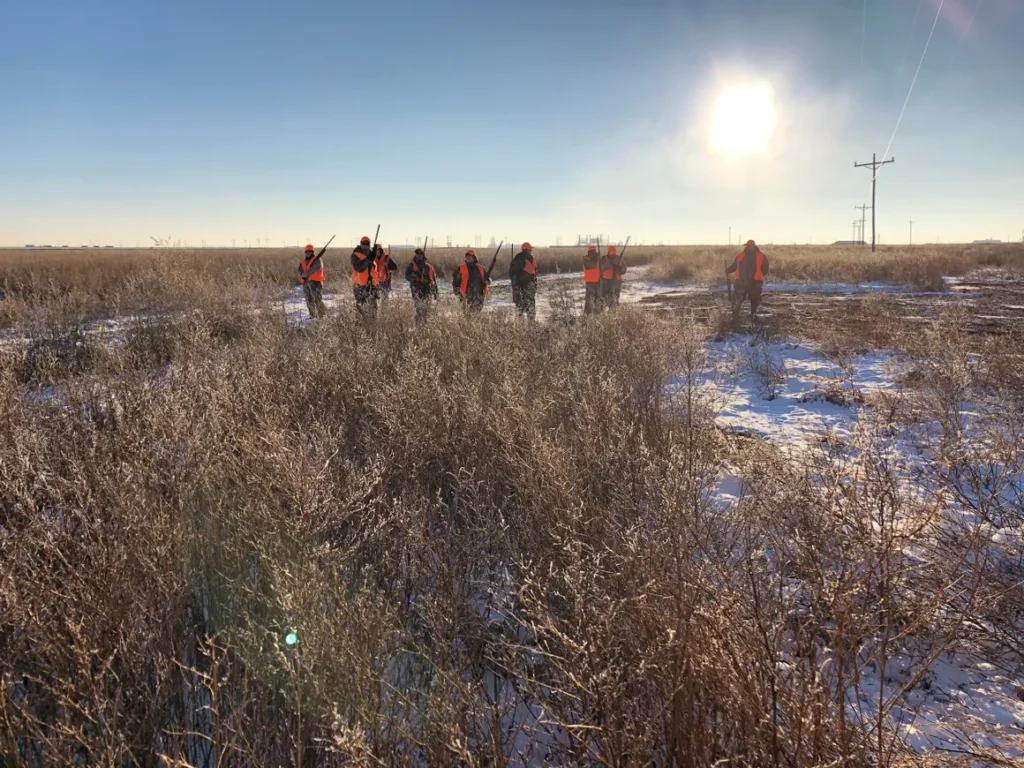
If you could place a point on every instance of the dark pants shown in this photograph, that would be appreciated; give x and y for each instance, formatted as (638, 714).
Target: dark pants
(611, 290)
(748, 289)
(366, 297)
(473, 302)
(384, 290)
(422, 305)
(591, 298)
(525, 298)
(314, 290)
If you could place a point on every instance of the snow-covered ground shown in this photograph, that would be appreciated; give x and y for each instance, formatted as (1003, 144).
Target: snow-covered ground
(788, 392)
(556, 290)
(791, 395)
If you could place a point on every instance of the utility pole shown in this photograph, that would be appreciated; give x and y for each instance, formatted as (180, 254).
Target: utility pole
(730, 235)
(874, 165)
(911, 232)
(862, 209)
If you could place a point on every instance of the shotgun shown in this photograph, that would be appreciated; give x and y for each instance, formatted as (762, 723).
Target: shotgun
(324, 249)
(494, 260)
(618, 266)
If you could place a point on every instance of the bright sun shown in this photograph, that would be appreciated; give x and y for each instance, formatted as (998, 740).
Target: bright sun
(743, 120)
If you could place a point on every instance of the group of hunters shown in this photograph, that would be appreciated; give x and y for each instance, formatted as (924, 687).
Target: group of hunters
(372, 268)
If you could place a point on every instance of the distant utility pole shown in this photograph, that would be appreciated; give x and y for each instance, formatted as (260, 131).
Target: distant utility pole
(911, 232)
(862, 209)
(730, 235)
(874, 165)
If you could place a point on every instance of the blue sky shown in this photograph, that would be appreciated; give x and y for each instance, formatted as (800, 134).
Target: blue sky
(223, 121)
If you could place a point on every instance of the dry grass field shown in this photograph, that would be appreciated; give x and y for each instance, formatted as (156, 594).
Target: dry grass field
(230, 540)
(93, 282)
(921, 266)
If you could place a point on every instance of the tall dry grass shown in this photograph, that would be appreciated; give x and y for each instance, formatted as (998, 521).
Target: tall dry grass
(91, 283)
(921, 266)
(497, 543)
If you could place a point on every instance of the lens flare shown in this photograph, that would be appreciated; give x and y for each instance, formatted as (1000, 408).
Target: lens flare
(291, 638)
(743, 120)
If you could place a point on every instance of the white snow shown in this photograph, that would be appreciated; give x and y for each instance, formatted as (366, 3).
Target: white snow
(788, 393)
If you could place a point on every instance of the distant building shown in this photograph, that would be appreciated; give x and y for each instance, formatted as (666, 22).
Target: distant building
(849, 242)
(986, 242)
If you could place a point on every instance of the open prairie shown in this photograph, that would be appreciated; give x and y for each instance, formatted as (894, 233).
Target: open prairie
(233, 536)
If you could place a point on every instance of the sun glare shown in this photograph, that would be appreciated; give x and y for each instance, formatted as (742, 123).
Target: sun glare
(743, 120)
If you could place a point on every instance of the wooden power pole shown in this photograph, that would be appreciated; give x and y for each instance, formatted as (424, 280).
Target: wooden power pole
(874, 165)
(863, 215)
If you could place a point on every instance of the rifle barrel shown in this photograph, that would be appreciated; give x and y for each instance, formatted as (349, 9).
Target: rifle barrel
(324, 249)
(494, 259)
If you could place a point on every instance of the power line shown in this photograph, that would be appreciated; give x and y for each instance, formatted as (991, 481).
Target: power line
(913, 29)
(874, 165)
(914, 81)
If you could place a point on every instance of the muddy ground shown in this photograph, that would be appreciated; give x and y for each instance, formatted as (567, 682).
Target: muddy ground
(993, 302)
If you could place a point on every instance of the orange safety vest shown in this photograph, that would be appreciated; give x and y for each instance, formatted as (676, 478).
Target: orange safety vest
(423, 276)
(614, 269)
(758, 265)
(592, 269)
(363, 278)
(316, 277)
(381, 273)
(464, 278)
(530, 266)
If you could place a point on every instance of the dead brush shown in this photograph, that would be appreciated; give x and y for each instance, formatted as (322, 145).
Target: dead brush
(495, 542)
(768, 365)
(922, 267)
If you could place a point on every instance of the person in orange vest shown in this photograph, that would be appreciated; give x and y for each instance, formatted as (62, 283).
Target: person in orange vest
(748, 269)
(470, 282)
(523, 274)
(363, 258)
(591, 279)
(383, 266)
(311, 278)
(422, 281)
(612, 270)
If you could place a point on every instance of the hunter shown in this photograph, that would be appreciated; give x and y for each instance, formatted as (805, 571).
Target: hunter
(363, 259)
(470, 282)
(612, 270)
(311, 278)
(748, 269)
(422, 281)
(591, 279)
(523, 274)
(383, 266)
